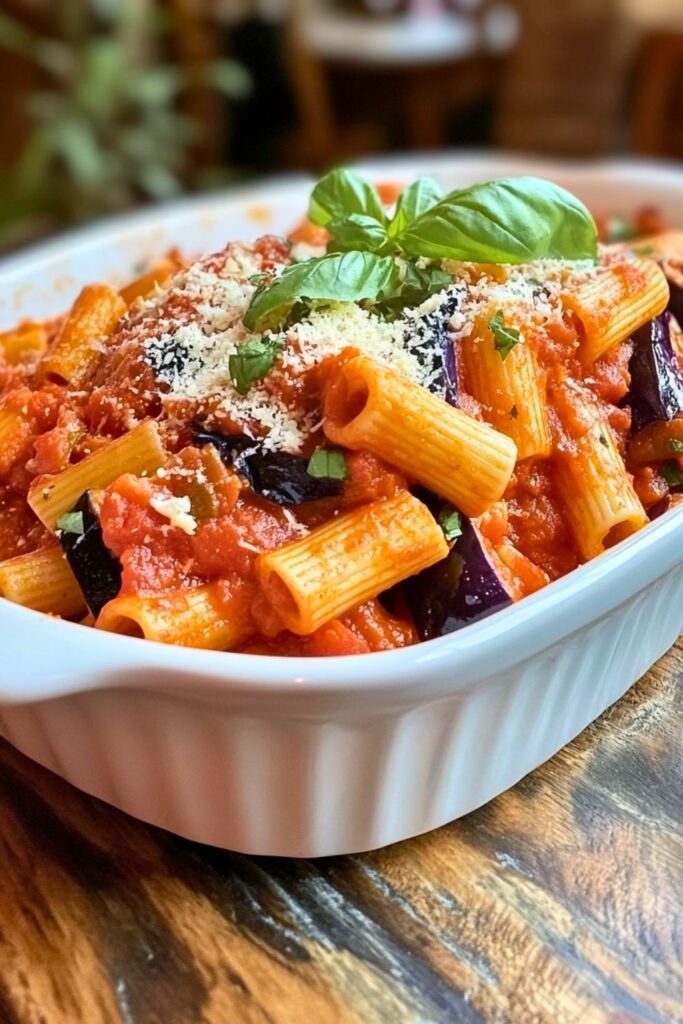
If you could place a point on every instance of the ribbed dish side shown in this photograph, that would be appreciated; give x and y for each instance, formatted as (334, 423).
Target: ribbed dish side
(312, 787)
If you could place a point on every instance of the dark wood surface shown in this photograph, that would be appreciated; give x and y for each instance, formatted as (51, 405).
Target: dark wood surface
(559, 902)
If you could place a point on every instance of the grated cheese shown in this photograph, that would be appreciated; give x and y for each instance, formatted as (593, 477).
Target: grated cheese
(198, 326)
(176, 510)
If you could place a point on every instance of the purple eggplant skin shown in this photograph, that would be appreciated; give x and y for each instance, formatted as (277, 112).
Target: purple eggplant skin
(457, 591)
(277, 476)
(665, 503)
(443, 355)
(656, 391)
(674, 275)
(96, 569)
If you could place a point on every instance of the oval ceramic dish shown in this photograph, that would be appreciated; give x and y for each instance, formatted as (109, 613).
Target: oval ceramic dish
(326, 756)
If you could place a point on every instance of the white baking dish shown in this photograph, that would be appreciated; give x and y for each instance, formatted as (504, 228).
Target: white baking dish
(325, 756)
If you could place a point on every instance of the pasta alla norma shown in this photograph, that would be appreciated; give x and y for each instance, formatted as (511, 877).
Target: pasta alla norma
(402, 418)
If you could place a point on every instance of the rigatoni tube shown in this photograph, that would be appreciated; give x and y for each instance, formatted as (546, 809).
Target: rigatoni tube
(209, 617)
(512, 390)
(372, 407)
(349, 560)
(42, 580)
(91, 320)
(600, 502)
(139, 451)
(614, 303)
(27, 338)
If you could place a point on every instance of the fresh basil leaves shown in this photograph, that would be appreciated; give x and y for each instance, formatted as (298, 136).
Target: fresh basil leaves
(504, 338)
(252, 361)
(339, 277)
(509, 220)
(341, 193)
(415, 200)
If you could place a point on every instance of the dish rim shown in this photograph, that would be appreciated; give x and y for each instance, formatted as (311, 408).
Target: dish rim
(493, 643)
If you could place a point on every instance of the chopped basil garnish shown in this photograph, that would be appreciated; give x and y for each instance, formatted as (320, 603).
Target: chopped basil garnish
(71, 522)
(671, 472)
(603, 440)
(449, 521)
(677, 446)
(505, 338)
(328, 463)
(252, 361)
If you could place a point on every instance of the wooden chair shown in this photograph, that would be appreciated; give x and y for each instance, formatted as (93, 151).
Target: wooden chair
(658, 96)
(563, 87)
(400, 70)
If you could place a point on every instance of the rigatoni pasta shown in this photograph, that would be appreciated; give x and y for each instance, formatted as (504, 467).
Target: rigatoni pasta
(511, 389)
(374, 433)
(202, 617)
(78, 347)
(460, 458)
(617, 302)
(140, 451)
(344, 562)
(42, 580)
(601, 504)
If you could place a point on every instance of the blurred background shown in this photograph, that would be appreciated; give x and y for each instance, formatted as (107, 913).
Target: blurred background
(109, 104)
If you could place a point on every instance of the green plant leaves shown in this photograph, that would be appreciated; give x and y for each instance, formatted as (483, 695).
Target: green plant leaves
(341, 193)
(422, 195)
(338, 277)
(510, 220)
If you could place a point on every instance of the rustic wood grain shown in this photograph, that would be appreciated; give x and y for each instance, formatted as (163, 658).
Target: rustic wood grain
(558, 902)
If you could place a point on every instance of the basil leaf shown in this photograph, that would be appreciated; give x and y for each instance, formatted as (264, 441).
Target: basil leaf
(677, 445)
(417, 286)
(340, 277)
(510, 220)
(671, 472)
(71, 522)
(358, 232)
(342, 193)
(252, 361)
(328, 463)
(449, 521)
(413, 202)
(504, 338)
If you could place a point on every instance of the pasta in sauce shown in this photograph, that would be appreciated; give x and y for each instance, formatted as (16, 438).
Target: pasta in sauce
(354, 476)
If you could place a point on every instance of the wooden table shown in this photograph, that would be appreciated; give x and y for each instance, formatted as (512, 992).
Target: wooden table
(558, 902)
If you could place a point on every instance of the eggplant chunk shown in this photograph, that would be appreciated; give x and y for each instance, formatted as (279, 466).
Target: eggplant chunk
(461, 589)
(656, 391)
(96, 569)
(278, 476)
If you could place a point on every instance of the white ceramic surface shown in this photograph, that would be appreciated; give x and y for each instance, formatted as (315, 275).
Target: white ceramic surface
(325, 756)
